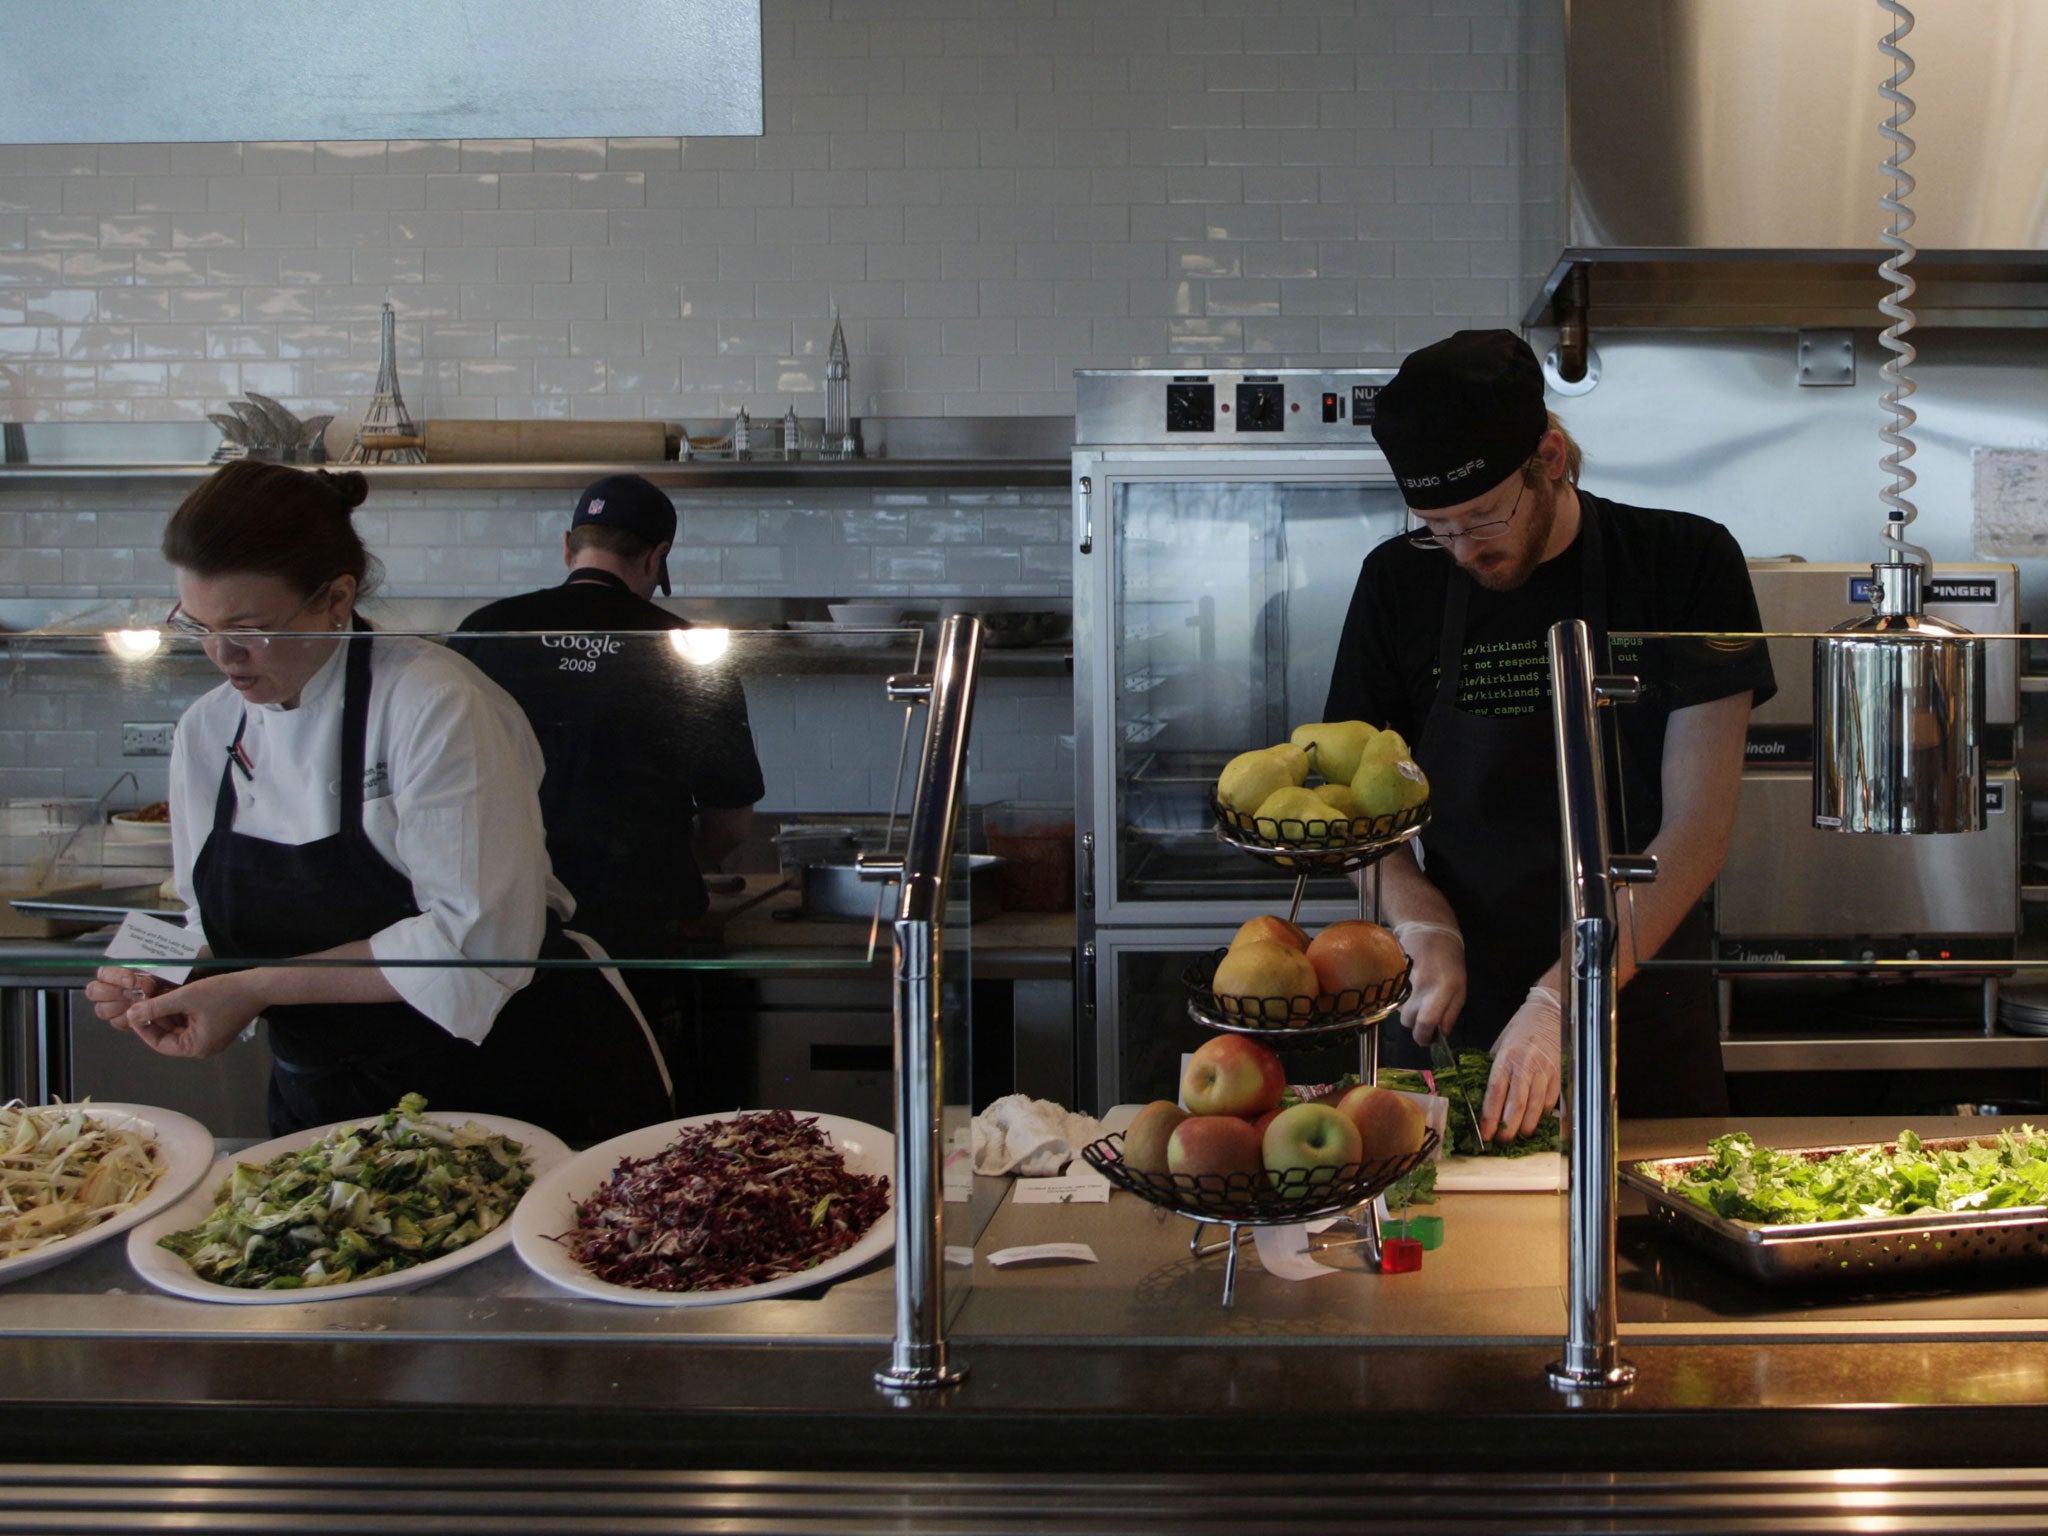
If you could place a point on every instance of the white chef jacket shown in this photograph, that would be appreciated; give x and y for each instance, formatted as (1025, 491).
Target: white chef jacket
(451, 774)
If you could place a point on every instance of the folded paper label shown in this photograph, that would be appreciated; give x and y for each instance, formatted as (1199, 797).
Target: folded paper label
(1069, 1189)
(1043, 1253)
(145, 940)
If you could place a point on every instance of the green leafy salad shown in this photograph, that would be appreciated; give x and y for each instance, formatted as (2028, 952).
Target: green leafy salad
(1468, 1085)
(362, 1201)
(1744, 1182)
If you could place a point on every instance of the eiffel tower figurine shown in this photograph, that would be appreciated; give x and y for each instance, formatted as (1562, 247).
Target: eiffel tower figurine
(387, 415)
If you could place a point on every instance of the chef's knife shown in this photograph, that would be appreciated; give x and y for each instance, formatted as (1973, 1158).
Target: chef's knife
(1442, 1061)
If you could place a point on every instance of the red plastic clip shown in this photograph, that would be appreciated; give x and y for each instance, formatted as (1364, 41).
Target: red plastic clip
(1399, 1255)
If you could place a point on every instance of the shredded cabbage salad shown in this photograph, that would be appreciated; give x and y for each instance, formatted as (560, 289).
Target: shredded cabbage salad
(363, 1201)
(1744, 1182)
(64, 1170)
(726, 1204)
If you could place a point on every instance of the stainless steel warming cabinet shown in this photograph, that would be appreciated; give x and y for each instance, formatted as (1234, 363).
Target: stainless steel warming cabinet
(1220, 518)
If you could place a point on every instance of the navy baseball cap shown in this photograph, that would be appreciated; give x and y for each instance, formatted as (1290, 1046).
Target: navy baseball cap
(629, 502)
(1461, 416)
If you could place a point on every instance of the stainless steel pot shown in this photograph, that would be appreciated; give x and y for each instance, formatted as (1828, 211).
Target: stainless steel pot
(834, 888)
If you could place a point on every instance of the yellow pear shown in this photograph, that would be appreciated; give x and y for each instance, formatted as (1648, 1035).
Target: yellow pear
(1296, 759)
(1250, 777)
(1335, 746)
(1382, 747)
(1268, 973)
(1339, 798)
(1296, 814)
(1383, 789)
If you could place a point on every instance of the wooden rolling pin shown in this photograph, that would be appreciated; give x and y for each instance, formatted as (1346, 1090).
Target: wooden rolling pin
(533, 442)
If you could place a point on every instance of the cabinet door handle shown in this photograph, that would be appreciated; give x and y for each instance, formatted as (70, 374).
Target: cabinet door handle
(1088, 871)
(1087, 510)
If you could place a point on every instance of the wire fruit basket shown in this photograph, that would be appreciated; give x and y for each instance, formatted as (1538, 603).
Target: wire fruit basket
(1311, 845)
(1290, 1023)
(1242, 1200)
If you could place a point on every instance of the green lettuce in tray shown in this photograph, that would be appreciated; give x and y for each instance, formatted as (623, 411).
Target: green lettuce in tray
(1741, 1181)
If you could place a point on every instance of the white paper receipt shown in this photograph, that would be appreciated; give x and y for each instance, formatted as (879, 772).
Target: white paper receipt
(1043, 1253)
(168, 948)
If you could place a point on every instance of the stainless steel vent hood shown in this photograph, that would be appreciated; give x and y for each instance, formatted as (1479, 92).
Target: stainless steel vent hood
(1722, 165)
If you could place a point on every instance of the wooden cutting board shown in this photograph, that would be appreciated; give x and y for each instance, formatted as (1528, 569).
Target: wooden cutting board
(534, 442)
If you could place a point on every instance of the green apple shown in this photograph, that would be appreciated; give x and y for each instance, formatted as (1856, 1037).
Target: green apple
(1310, 1137)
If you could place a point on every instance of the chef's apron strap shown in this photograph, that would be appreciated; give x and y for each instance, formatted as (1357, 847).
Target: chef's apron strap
(355, 726)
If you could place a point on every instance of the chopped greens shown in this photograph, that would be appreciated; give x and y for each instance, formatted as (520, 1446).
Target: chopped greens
(1741, 1181)
(363, 1201)
(1473, 1069)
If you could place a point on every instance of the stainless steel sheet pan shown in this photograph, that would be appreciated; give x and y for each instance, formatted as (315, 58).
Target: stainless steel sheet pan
(1864, 1249)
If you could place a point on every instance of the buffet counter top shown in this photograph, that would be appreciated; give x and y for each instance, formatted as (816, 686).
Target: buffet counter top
(1126, 1364)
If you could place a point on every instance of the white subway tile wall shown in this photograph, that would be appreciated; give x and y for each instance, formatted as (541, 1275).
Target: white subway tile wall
(991, 194)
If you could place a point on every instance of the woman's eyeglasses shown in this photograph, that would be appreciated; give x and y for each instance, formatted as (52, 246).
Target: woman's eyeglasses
(244, 639)
(1478, 533)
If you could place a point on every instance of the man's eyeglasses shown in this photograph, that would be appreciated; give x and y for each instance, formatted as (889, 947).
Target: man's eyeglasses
(245, 639)
(1478, 533)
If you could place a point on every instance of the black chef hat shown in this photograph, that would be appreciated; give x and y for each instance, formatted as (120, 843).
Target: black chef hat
(1461, 416)
(632, 503)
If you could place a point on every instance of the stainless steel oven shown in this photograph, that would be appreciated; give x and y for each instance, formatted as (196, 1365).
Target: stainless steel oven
(1220, 518)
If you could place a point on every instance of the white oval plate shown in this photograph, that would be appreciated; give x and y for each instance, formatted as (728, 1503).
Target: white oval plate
(188, 1152)
(168, 1271)
(550, 1208)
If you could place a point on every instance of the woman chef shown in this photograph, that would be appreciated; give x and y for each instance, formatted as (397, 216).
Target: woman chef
(343, 798)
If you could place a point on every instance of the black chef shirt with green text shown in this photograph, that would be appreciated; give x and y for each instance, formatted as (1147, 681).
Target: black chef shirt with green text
(1665, 571)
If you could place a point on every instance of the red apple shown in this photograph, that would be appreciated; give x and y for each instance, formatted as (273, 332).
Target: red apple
(1389, 1124)
(1265, 1120)
(1275, 928)
(1213, 1144)
(1232, 1075)
(1145, 1141)
(1309, 1136)
(1355, 956)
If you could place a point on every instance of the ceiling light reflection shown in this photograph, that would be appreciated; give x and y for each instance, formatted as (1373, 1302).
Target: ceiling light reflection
(700, 645)
(134, 644)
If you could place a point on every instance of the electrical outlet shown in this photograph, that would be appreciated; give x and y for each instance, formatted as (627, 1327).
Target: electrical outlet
(146, 740)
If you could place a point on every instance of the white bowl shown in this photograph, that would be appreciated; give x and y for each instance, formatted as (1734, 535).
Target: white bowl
(864, 615)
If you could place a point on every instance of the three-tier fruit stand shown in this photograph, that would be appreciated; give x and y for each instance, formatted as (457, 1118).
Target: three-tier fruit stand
(1241, 1201)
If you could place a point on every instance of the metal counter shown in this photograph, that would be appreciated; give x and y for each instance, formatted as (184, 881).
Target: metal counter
(1083, 1377)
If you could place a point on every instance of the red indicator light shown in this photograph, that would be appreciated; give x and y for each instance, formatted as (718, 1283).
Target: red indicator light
(1294, 405)
(1224, 407)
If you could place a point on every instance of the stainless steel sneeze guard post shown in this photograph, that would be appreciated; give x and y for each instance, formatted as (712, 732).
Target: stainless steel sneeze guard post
(1592, 1342)
(918, 1358)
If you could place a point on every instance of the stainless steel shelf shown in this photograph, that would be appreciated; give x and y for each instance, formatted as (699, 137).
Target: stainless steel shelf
(1868, 1053)
(693, 476)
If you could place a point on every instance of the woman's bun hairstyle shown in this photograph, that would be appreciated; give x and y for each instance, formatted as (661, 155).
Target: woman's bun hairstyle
(273, 520)
(351, 487)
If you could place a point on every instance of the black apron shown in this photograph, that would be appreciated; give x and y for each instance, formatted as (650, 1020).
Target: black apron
(1492, 848)
(565, 1052)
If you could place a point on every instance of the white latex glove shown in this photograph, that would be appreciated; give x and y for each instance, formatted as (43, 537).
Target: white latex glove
(1437, 979)
(1526, 1068)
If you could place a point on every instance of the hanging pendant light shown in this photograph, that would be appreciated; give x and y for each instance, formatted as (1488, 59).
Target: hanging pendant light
(1898, 697)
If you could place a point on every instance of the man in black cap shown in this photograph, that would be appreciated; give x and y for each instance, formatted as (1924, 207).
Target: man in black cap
(651, 774)
(1446, 641)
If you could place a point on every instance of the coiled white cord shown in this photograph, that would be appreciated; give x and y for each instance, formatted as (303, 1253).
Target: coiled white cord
(1894, 305)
